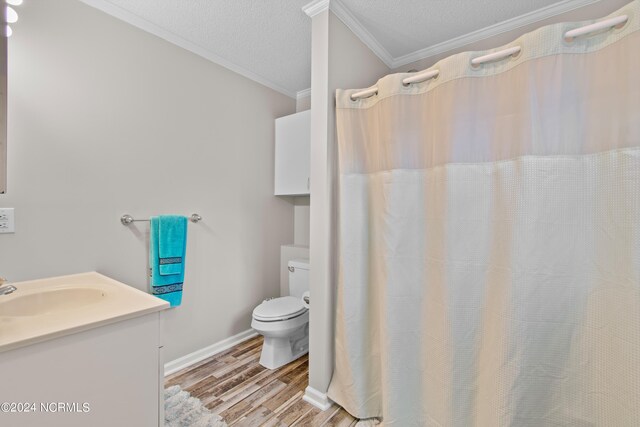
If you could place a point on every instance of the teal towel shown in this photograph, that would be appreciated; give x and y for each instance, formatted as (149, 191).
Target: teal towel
(172, 239)
(167, 286)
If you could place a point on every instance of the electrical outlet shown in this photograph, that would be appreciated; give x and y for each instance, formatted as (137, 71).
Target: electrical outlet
(7, 222)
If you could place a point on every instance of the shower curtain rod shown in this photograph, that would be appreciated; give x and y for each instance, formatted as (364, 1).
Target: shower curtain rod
(569, 36)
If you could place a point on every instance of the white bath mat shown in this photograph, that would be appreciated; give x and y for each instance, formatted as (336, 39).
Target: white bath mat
(183, 410)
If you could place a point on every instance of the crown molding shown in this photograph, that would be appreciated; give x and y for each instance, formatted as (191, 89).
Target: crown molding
(347, 17)
(143, 24)
(315, 7)
(303, 93)
(493, 30)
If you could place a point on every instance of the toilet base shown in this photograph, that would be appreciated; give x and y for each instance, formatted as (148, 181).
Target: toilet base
(278, 351)
(277, 354)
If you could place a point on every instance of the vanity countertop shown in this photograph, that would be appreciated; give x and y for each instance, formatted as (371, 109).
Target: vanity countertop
(44, 309)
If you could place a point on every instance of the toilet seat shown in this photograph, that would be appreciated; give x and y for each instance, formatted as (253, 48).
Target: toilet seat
(279, 309)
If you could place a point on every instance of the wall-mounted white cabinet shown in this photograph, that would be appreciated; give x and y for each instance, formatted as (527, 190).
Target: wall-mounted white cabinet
(293, 141)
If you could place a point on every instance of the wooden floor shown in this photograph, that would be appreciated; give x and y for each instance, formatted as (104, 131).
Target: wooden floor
(234, 385)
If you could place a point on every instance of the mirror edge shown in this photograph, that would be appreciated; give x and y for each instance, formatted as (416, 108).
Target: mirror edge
(3, 113)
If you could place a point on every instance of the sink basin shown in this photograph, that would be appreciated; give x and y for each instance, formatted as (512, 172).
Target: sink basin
(51, 301)
(49, 308)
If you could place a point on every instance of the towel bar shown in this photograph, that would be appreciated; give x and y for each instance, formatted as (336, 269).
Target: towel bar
(127, 219)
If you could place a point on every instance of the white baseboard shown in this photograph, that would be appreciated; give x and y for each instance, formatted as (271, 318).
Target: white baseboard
(198, 355)
(317, 399)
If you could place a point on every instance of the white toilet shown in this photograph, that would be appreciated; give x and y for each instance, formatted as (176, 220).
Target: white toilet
(284, 321)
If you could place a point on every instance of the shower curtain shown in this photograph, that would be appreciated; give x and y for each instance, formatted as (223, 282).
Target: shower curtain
(489, 238)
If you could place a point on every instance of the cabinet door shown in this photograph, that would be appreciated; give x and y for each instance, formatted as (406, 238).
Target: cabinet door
(293, 139)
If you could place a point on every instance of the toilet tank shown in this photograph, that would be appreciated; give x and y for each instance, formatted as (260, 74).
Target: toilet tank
(298, 277)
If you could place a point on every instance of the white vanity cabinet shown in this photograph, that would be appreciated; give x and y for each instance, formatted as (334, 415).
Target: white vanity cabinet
(104, 377)
(81, 350)
(293, 143)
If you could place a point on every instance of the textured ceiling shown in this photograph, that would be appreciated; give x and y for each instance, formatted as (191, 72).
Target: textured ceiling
(270, 40)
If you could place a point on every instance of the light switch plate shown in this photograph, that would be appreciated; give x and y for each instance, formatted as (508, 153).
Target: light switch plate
(7, 222)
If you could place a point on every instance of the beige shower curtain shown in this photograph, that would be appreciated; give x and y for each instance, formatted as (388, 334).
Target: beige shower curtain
(489, 239)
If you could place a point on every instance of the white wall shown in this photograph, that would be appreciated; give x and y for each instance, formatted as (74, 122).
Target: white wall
(105, 119)
(301, 215)
(339, 60)
(303, 103)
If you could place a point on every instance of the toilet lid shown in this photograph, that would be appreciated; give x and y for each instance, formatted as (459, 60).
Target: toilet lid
(278, 308)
